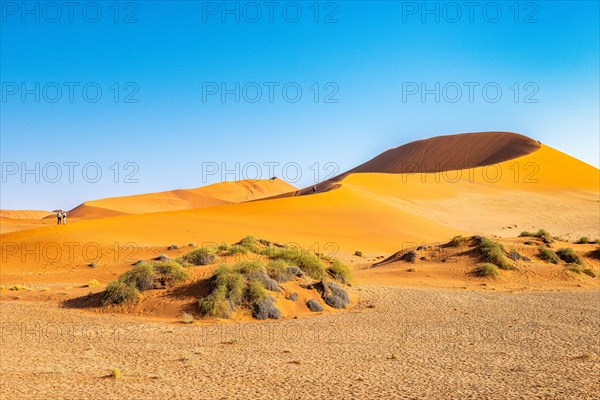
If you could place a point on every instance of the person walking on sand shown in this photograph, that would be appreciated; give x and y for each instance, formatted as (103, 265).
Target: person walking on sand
(64, 217)
(59, 218)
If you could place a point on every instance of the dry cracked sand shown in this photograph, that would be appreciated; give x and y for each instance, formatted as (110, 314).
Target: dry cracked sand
(398, 343)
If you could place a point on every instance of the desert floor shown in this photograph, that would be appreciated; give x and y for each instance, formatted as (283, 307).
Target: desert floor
(397, 343)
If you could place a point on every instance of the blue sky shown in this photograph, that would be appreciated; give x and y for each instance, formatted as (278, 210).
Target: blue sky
(363, 57)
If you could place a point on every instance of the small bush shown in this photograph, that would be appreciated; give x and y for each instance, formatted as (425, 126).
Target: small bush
(93, 283)
(119, 292)
(548, 255)
(237, 249)
(162, 257)
(170, 273)
(340, 272)
(307, 262)
(254, 293)
(187, 318)
(201, 256)
(249, 242)
(584, 240)
(358, 253)
(569, 256)
(223, 247)
(542, 234)
(216, 304)
(173, 247)
(487, 270)
(278, 270)
(141, 277)
(458, 241)
(493, 252)
(314, 306)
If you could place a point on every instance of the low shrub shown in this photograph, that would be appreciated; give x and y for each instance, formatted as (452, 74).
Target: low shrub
(340, 272)
(584, 240)
(569, 256)
(93, 283)
(173, 247)
(279, 270)
(307, 262)
(141, 277)
(542, 234)
(493, 252)
(202, 256)
(119, 292)
(169, 273)
(458, 241)
(486, 270)
(358, 253)
(547, 255)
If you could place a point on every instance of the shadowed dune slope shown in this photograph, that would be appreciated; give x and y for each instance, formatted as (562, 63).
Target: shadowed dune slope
(182, 199)
(442, 153)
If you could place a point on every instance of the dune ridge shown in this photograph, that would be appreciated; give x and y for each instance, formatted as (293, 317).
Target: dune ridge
(181, 199)
(441, 153)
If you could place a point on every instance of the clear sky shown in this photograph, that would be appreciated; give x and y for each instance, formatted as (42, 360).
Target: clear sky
(169, 73)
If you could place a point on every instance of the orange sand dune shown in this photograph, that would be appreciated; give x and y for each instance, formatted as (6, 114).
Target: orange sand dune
(24, 214)
(442, 153)
(373, 212)
(207, 196)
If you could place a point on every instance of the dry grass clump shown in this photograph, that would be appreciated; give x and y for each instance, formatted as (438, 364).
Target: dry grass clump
(458, 241)
(235, 286)
(486, 270)
(568, 255)
(542, 234)
(143, 276)
(203, 256)
(493, 252)
(548, 255)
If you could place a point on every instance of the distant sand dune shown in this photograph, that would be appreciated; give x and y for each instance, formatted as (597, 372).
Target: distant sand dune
(182, 199)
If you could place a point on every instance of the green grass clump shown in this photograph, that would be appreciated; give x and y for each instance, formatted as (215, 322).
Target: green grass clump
(142, 277)
(119, 292)
(237, 249)
(340, 272)
(487, 270)
(278, 270)
(493, 252)
(458, 241)
(234, 286)
(307, 262)
(584, 240)
(548, 255)
(542, 234)
(254, 293)
(568, 255)
(202, 256)
(170, 273)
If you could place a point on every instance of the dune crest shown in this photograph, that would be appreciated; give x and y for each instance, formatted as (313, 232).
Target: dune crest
(181, 199)
(442, 153)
